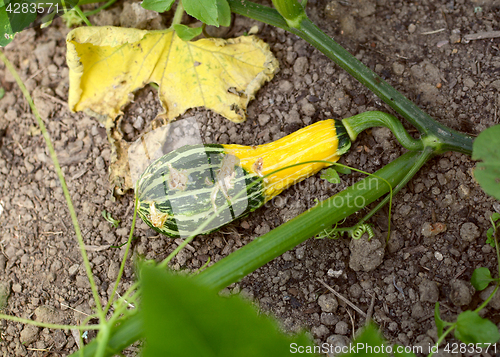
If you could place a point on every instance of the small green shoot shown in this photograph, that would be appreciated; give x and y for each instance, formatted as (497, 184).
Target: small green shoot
(107, 216)
(187, 33)
(481, 278)
(490, 233)
(330, 175)
(2, 92)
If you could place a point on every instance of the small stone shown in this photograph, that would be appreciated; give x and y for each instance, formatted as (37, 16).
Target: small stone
(429, 291)
(366, 255)
(263, 119)
(29, 334)
(320, 331)
(328, 318)
(461, 292)
(341, 328)
(469, 232)
(300, 66)
(398, 68)
(308, 109)
(355, 291)
(48, 314)
(412, 28)
(285, 86)
(73, 269)
(287, 256)
(455, 38)
(438, 256)
(337, 343)
(417, 310)
(300, 253)
(113, 270)
(138, 122)
(381, 134)
(17, 288)
(328, 302)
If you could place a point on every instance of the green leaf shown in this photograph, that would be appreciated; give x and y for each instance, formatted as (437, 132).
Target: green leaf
(330, 175)
(472, 328)
(486, 147)
(205, 11)
(187, 33)
(198, 322)
(223, 13)
(6, 33)
(369, 336)
(481, 278)
(2, 92)
(342, 170)
(157, 5)
(495, 217)
(438, 320)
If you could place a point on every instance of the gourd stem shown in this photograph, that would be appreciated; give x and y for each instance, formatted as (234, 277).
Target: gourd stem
(356, 124)
(441, 138)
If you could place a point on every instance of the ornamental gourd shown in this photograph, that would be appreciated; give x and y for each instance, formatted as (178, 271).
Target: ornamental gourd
(215, 184)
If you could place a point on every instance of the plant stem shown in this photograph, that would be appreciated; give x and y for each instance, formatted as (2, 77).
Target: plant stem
(438, 135)
(357, 123)
(82, 15)
(60, 175)
(179, 12)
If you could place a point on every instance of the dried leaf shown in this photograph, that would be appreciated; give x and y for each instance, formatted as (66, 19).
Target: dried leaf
(107, 64)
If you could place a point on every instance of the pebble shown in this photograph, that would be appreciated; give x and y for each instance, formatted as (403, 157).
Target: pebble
(412, 28)
(328, 302)
(308, 109)
(429, 291)
(49, 314)
(461, 292)
(264, 119)
(398, 68)
(366, 255)
(29, 334)
(99, 163)
(300, 253)
(320, 331)
(328, 318)
(301, 66)
(285, 86)
(337, 343)
(113, 270)
(469, 232)
(341, 328)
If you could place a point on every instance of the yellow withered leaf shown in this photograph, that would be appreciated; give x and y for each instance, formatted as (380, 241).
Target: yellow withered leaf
(107, 64)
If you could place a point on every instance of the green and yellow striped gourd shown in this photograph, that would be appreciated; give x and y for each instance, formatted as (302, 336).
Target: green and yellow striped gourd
(215, 184)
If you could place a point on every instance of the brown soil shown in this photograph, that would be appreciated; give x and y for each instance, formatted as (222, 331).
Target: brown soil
(418, 47)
